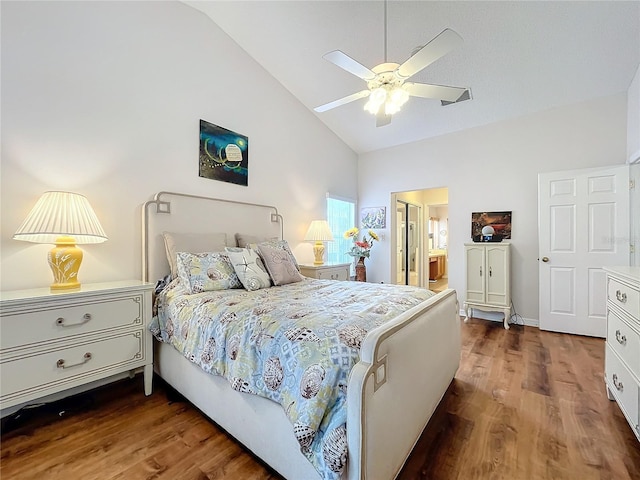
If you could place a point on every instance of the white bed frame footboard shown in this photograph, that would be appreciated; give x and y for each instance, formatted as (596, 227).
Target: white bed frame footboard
(405, 368)
(404, 371)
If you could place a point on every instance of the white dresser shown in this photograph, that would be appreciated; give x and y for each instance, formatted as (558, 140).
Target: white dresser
(622, 354)
(327, 271)
(488, 278)
(52, 342)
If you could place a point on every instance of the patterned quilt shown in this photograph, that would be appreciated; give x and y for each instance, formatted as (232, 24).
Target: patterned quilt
(294, 344)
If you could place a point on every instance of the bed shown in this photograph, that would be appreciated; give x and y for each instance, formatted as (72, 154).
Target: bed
(403, 368)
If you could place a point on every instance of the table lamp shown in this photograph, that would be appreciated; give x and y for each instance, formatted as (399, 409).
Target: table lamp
(62, 218)
(319, 232)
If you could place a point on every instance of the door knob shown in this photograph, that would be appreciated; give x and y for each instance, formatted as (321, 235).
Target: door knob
(545, 259)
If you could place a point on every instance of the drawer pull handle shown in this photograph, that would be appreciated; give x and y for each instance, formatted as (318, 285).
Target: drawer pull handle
(617, 384)
(85, 358)
(622, 297)
(85, 318)
(622, 339)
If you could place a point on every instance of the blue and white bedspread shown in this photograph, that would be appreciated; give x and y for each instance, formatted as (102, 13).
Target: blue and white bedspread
(294, 344)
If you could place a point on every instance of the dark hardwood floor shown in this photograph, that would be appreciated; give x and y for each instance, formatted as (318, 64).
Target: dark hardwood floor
(525, 404)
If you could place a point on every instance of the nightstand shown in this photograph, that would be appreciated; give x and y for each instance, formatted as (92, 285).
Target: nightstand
(327, 271)
(52, 342)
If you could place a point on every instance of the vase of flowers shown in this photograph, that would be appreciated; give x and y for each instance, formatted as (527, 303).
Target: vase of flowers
(361, 249)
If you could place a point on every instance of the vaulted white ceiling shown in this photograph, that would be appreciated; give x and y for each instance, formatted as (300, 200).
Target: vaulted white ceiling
(517, 57)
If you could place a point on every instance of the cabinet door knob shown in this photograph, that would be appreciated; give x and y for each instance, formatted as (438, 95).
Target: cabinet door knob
(622, 339)
(545, 259)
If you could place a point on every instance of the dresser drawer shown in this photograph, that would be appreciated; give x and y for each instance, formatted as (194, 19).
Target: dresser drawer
(54, 369)
(39, 324)
(624, 340)
(622, 384)
(624, 297)
(338, 273)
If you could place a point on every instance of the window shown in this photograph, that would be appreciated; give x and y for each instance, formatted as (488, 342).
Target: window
(341, 216)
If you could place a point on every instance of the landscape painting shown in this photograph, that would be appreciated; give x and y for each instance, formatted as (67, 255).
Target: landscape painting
(500, 221)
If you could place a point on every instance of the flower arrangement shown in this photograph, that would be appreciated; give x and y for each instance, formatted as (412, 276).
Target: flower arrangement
(360, 248)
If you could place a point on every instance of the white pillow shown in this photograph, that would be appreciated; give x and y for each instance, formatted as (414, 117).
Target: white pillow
(191, 242)
(248, 266)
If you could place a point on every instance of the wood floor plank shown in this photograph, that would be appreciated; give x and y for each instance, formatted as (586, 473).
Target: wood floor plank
(525, 404)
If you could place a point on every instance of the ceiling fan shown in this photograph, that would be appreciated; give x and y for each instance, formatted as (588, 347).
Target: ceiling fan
(387, 87)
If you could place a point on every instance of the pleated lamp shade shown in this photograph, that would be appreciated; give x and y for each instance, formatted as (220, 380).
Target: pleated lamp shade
(319, 232)
(61, 213)
(65, 219)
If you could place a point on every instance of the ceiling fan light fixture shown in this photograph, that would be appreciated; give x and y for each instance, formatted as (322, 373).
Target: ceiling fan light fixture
(399, 96)
(386, 82)
(377, 98)
(391, 108)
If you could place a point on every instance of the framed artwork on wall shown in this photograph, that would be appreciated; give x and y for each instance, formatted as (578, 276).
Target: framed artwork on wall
(373, 217)
(224, 155)
(499, 221)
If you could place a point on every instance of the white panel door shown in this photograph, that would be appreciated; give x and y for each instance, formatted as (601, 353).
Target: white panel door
(497, 275)
(476, 272)
(583, 226)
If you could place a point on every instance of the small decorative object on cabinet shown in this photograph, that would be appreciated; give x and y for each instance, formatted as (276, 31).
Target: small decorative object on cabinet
(488, 278)
(52, 342)
(327, 271)
(622, 353)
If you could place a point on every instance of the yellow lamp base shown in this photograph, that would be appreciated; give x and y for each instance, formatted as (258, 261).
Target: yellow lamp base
(65, 259)
(318, 252)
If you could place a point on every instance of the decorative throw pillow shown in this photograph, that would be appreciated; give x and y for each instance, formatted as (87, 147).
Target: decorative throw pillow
(279, 265)
(191, 242)
(244, 240)
(248, 266)
(204, 272)
(280, 244)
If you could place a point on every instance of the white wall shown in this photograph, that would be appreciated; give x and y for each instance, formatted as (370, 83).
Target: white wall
(105, 98)
(495, 168)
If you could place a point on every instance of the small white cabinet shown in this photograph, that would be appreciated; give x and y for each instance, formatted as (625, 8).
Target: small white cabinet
(327, 271)
(52, 342)
(622, 353)
(488, 278)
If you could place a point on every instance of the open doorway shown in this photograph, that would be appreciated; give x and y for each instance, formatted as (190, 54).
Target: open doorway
(419, 249)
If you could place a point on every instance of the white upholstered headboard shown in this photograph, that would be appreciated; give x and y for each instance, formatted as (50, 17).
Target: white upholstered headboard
(185, 213)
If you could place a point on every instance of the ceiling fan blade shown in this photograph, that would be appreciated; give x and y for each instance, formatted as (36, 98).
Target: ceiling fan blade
(446, 41)
(382, 119)
(347, 63)
(342, 101)
(440, 92)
